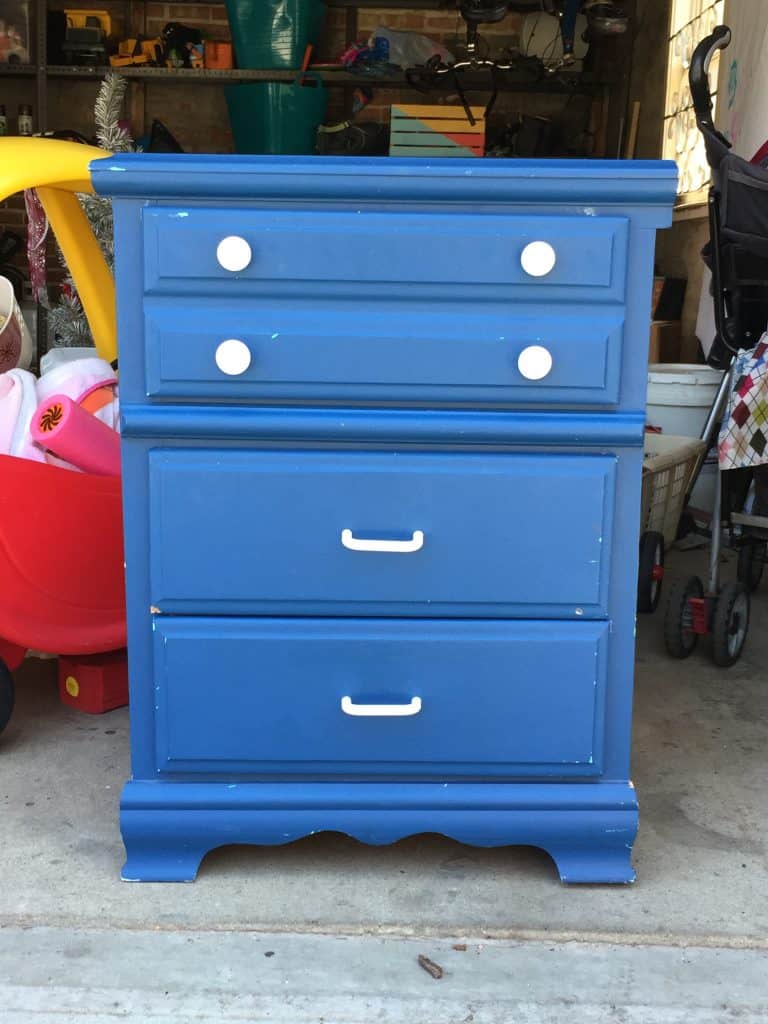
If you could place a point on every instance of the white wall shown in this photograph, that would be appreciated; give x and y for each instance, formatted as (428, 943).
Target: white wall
(742, 110)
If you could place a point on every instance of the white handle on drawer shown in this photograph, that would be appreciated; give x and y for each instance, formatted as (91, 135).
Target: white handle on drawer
(233, 253)
(397, 546)
(534, 362)
(380, 710)
(538, 258)
(233, 357)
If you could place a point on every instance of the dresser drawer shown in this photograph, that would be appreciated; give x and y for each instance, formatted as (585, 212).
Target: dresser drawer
(460, 352)
(350, 250)
(390, 533)
(406, 697)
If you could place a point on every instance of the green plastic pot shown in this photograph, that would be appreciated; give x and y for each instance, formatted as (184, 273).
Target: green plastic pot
(274, 33)
(277, 117)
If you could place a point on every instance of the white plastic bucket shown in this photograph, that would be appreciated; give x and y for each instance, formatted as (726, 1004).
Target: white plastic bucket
(680, 396)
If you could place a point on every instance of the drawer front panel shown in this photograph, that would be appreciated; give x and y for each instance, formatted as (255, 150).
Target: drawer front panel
(364, 248)
(390, 533)
(416, 352)
(268, 695)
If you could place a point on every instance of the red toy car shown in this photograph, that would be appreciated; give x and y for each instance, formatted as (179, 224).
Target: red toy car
(61, 565)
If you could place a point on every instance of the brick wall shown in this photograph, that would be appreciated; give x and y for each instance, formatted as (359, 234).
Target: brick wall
(210, 19)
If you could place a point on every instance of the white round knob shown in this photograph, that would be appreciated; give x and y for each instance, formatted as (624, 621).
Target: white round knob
(233, 253)
(534, 362)
(538, 258)
(233, 357)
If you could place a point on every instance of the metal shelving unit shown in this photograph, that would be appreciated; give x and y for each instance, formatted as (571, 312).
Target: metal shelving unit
(331, 76)
(134, 9)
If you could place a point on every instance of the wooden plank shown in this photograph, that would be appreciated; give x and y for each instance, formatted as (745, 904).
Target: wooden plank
(629, 152)
(434, 151)
(410, 124)
(434, 110)
(431, 139)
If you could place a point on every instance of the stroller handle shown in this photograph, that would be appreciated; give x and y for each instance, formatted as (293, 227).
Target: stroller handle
(698, 75)
(59, 170)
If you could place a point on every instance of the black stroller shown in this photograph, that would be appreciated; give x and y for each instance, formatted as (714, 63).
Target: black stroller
(737, 255)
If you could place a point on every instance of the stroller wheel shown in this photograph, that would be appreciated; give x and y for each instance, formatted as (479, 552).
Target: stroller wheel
(680, 636)
(730, 623)
(751, 562)
(650, 571)
(7, 695)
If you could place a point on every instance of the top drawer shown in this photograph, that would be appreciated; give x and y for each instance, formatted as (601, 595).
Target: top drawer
(353, 251)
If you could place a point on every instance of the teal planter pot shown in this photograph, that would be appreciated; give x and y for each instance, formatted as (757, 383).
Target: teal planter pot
(274, 33)
(276, 117)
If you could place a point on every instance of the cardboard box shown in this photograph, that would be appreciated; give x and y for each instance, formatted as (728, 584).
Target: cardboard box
(665, 341)
(14, 32)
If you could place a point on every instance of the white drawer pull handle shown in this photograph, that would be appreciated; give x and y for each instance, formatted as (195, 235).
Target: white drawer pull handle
(538, 258)
(401, 546)
(380, 710)
(534, 362)
(233, 253)
(233, 357)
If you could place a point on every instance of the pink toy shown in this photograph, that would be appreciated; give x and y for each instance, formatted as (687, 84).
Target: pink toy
(64, 428)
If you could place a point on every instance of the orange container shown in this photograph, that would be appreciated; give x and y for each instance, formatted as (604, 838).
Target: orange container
(218, 55)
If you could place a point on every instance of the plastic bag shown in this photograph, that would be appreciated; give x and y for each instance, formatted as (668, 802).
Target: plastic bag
(405, 49)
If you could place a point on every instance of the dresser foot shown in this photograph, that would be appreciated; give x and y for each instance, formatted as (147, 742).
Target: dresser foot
(169, 864)
(593, 864)
(161, 846)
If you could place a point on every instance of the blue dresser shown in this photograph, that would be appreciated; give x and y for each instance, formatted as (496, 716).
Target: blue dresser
(382, 445)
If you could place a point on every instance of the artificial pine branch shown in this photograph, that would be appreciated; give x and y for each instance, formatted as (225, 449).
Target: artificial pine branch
(109, 105)
(67, 320)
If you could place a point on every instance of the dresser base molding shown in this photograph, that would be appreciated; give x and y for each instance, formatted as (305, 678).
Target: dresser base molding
(587, 829)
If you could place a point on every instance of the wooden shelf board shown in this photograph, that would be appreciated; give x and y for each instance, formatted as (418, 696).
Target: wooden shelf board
(18, 70)
(332, 77)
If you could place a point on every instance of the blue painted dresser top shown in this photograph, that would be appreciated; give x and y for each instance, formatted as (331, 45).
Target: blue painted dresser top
(415, 250)
(590, 183)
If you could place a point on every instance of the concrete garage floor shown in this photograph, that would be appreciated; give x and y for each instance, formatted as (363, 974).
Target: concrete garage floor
(688, 942)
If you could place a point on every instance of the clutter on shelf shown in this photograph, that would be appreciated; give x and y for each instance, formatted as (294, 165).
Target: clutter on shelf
(86, 37)
(89, 38)
(179, 46)
(387, 49)
(14, 32)
(217, 55)
(353, 138)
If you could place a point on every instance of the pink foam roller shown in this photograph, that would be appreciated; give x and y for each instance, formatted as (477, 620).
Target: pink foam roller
(69, 432)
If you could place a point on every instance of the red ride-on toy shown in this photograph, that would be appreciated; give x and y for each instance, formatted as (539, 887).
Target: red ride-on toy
(61, 566)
